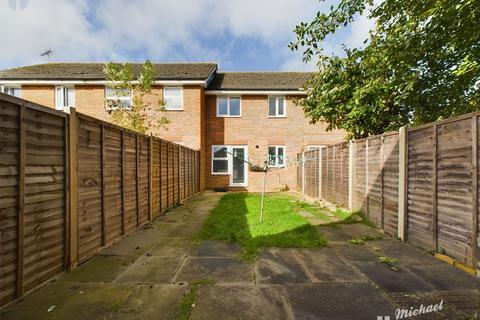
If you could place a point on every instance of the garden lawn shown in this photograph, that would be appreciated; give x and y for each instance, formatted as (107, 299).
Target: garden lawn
(236, 218)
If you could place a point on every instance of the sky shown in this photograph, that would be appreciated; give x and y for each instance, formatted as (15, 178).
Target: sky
(240, 35)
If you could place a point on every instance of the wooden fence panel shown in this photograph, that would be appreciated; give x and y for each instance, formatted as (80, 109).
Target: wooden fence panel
(156, 177)
(114, 179)
(164, 176)
(344, 175)
(176, 175)
(171, 180)
(9, 199)
(130, 187)
(359, 186)
(89, 188)
(390, 183)
(374, 181)
(420, 226)
(113, 183)
(454, 190)
(299, 172)
(143, 182)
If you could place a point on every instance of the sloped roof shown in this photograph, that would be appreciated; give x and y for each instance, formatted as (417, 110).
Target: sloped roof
(94, 71)
(259, 80)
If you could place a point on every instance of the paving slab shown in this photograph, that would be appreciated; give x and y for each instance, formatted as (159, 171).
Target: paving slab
(357, 230)
(135, 244)
(94, 301)
(405, 253)
(211, 248)
(390, 280)
(100, 269)
(242, 302)
(151, 270)
(334, 234)
(324, 265)
(355, 252)
(457, 304)
(280, 267)
(185, 230)
(224, 270)
(170, 247)
(445, 277)
(338, 301)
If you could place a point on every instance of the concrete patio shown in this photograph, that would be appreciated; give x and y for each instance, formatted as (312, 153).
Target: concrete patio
(145, 276)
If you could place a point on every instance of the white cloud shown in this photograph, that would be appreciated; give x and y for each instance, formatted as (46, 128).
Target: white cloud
(82, 30)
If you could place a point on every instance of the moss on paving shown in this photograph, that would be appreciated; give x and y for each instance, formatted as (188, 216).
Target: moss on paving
(236, 218)
(189, 299)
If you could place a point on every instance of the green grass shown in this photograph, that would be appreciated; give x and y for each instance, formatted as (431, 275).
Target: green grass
(236, 218)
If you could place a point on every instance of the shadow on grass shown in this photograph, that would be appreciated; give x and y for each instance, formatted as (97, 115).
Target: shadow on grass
(236, 218)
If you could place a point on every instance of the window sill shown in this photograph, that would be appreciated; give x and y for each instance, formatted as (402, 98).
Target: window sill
(220, 173)
(174, 109)
(281, 117)
(219, 116)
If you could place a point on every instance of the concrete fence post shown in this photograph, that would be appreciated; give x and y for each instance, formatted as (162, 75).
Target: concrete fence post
(402, 182)
(351, 147)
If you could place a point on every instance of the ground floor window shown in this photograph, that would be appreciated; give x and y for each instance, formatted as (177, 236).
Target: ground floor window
(276, 156)
(230, 160)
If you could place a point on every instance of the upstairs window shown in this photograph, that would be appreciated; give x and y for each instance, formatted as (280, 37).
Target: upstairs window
(173, 98)
(118, 98)
(276, 106)
(276, 156)
(12, 90)
(64, 97)
(228, 107)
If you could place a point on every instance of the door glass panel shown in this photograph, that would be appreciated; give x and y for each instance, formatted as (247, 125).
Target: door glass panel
(238, 172)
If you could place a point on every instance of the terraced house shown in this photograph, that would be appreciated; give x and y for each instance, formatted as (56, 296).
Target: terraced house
(249, 114)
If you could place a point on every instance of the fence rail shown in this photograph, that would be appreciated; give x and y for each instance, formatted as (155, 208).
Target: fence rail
(418, 183)
(70, 185)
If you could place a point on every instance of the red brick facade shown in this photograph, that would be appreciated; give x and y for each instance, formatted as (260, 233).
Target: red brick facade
(198, 127)
(257, 130)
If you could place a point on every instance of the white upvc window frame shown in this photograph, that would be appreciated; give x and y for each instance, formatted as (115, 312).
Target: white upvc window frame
(277, 165)
(284, 115)
(226, 158)
(61, 94)
(127, 97)
(229, 97)
(167, 97)
(7, 89)
(314, 146)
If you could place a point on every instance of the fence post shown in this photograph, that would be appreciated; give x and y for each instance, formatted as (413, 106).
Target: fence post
(303, 172)
(402, 182)
(123, 179)
(73, 213)
(21, 202)
(320, 171)
(350, 174)
(475, 196)
(150, 179)
(103, 184)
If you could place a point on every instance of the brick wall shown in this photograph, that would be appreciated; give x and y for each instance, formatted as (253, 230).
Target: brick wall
(257, 131)
(184, 126)
(44, 95)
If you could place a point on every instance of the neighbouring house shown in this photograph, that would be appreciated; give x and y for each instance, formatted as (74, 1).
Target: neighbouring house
(250, 114)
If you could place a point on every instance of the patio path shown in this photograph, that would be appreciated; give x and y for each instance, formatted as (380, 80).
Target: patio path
(146, 274)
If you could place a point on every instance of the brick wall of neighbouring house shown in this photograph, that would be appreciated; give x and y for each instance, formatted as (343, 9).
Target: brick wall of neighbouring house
(44, 95)
(254, 128)
(184, 127)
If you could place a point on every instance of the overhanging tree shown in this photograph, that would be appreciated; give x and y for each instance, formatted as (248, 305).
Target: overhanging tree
(419, 64)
